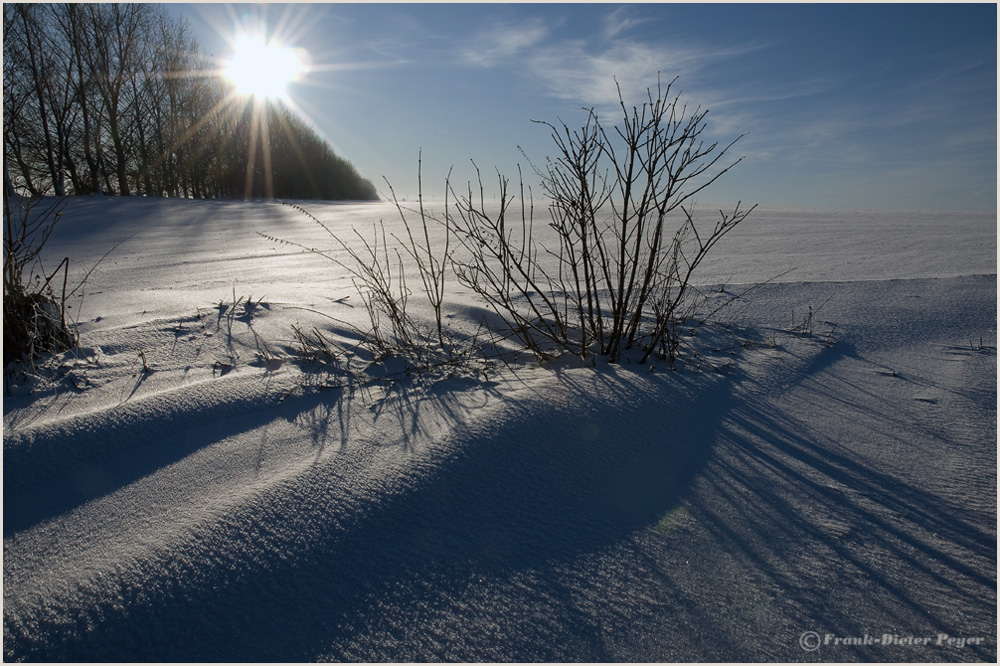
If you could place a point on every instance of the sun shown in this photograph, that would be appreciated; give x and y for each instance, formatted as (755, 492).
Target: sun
(263, 69)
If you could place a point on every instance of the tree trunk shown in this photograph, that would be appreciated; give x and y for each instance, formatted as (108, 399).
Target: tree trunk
(38, 73)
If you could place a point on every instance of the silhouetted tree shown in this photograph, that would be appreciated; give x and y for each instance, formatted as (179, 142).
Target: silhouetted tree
(110, 97)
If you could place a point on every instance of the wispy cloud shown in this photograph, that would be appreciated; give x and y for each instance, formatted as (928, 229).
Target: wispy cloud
(573, 71)
(585, 71)
(505, 42)
(621, 20)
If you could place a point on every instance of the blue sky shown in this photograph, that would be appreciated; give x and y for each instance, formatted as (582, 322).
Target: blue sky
(872, 106)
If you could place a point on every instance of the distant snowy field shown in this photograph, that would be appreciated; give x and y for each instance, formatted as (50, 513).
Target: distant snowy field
(225, 507)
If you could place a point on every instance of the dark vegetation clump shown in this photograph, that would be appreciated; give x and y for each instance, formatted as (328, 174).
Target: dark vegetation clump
(34, 302)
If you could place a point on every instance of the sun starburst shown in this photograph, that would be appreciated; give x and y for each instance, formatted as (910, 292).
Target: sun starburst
(264, 69)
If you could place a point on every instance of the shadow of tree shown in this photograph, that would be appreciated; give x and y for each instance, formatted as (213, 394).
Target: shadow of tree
(812, 530)
(867, 549)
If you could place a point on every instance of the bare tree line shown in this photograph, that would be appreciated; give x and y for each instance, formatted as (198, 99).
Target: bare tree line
(117, 99)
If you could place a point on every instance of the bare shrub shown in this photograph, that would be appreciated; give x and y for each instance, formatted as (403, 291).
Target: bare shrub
(377, 267)
(611, 273)
(622, 279)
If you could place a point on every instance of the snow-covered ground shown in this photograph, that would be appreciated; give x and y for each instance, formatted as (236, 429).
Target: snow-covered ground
(222, 505)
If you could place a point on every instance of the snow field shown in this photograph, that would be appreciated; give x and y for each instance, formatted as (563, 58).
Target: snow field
(223, 506)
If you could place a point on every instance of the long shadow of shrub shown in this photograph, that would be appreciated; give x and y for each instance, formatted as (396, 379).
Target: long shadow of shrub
(538, 481)
(528, 481)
